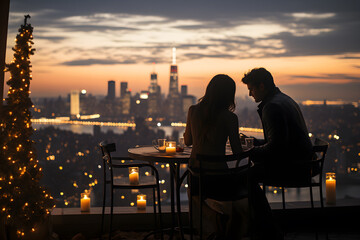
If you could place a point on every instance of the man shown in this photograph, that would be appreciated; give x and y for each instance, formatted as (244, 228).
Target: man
(286, 139)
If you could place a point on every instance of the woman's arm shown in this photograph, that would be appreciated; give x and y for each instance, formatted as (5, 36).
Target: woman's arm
(187, 133)
(233, 131)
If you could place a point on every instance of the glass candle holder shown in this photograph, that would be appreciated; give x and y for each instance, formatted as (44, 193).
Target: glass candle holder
(330, 188)
(170, 147)
(134, 175)
(141, 202)
(85, 202)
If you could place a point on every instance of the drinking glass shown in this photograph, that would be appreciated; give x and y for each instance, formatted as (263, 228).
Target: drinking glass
(180, 147)
(159, 145)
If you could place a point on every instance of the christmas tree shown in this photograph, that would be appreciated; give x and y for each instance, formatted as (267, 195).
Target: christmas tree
(23, 203)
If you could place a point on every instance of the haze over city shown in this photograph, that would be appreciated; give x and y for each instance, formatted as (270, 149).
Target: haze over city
(311, 47)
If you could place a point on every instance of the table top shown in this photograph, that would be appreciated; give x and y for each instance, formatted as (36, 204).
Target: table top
(149, 153)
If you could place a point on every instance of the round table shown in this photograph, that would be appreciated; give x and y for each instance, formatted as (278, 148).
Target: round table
(150, 154)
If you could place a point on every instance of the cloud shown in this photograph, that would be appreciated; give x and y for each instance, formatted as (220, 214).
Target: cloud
(202, 29)
(52, 38)
(88, 62)
(214, 55)
(353, 78)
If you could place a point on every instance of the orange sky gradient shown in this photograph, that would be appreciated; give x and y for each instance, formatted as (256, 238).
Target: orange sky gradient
(84, 51)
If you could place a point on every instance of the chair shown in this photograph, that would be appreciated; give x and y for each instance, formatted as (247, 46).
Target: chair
(228, 175)
(313, 169)
(151, 181)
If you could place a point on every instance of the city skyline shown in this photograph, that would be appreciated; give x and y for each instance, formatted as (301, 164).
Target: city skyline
(311, 48)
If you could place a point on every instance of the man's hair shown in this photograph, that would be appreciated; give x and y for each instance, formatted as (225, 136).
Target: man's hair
(257, 76)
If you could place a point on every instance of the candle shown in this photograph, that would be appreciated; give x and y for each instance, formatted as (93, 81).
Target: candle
(141, 202)
(171, 147)
(85, 202)
(330, 188)
(134, 175)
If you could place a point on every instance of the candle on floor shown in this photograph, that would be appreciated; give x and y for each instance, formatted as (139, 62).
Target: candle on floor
(141, 202)
(85, 202)
(171, 147)
(330, 188)
(134, 175)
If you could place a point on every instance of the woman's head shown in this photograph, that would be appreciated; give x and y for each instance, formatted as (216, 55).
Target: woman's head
(220, 93)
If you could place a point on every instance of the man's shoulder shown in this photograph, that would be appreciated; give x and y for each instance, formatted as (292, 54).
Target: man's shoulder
(281, 99)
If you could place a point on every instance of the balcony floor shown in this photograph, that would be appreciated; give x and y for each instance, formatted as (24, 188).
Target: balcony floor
(298, 221)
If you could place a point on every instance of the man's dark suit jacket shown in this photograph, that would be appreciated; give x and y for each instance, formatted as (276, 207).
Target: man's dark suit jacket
(286, 138)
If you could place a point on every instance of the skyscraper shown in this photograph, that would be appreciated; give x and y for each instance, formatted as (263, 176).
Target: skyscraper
(154, 87)
(111, 90)
(174, 100)
(184, 90)
(153, 83)
(74, 103)
(154, 101)
(173, 86)
(123, 89)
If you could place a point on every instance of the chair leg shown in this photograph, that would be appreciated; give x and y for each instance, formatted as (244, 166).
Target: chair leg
(160, 214)
(154, 206)
(201, 214)
(103, 212)
(311, 197)
(321, 196)
(191, 217)
(111, 211)
(283, 197)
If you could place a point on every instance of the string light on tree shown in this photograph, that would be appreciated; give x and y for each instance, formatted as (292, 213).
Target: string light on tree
(24, 203)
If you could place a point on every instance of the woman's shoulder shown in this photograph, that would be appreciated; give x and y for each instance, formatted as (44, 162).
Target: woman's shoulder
(193, 108)
(227, 117)
(228, 114)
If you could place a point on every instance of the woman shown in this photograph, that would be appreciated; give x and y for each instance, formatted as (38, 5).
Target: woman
(210, 123)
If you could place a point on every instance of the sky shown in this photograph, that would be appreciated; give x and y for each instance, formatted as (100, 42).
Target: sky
(312, 48)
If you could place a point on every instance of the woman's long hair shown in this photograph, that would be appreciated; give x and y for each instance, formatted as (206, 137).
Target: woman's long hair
(219, 96)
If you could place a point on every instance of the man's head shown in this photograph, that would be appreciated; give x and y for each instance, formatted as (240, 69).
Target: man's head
(259, 82)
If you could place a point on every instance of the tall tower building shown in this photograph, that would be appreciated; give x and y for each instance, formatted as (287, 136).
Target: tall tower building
(111, 90)
(74, 103)
(174, 85)
(123, 88)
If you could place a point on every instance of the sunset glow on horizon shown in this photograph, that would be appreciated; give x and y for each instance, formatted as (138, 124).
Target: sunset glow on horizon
(312, 52)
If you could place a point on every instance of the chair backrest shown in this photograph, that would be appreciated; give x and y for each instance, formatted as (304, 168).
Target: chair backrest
(106, 149)
(320, 148)
(222, 183)
(300, 174)
(206, 160)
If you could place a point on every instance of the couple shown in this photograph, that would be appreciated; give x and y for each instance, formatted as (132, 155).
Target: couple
(211, 122)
